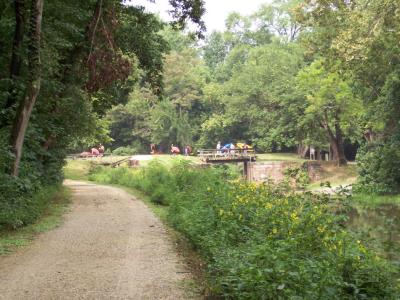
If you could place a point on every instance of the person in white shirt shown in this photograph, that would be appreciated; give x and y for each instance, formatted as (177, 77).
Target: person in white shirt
(219, 148)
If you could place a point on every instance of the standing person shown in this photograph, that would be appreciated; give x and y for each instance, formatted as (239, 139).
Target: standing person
(312, 152)
(219, 148)
(152, 148)
(245, 148)
(101, 149)
(232, 149)
(225, 149)
(186, 150)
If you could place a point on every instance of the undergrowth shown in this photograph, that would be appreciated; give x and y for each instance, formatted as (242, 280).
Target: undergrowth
(22, 202)
(57, 199)
(261, 241)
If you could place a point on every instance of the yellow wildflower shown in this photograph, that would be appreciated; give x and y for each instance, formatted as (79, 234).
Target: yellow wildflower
(294, 216)
(268, 206)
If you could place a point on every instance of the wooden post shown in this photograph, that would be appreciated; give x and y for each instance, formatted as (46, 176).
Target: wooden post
(246, 170)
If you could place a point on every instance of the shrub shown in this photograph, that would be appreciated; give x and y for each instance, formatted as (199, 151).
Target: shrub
(21, 201)
(297, 174)
(122, 151)
(262, 242)
(379, 168)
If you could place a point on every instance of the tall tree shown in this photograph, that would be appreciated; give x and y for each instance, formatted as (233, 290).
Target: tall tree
(16, 56)
(363, 36)
(24, 110)
(90, 59)
(258, 100)
(331, 104)
(279, 18)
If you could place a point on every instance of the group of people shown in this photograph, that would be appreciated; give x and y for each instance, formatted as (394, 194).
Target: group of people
(175, 150)
(99, 151)
(221, 149)
(231, 148)
(94, 152)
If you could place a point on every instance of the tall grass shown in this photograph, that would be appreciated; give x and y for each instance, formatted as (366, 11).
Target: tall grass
(261, 242)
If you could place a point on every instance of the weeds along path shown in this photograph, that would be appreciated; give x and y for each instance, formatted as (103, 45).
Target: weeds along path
(110, 246)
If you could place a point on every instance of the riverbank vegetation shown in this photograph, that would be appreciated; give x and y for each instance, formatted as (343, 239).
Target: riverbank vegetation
(262, 240)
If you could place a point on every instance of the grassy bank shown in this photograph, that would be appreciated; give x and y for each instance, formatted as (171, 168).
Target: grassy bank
(77, 169)
(289, 157)
(260, 241)
(58, 200)
(373, 201)
(335, 175)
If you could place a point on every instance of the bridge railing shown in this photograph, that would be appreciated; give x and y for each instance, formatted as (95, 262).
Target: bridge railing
(214, 154)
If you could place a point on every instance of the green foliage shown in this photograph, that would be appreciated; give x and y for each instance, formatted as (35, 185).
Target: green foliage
(93, 54)
(359, 38)
(330, 100)
(298, 174)
(379, 160)
(260, 104)
(240, 88)
(169, 126)
(58, 200)
(145, 41)
(259, 241)
(122, 151)
(177, 40)
(215, 50)
(372, 200)
(184, 77)
(22, 201)
(378, 167)
(77, 169)
(129, 123)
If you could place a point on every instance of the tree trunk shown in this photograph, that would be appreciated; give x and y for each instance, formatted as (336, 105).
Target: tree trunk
(369, 135)
(302, 150)
(16, 60)
(336, 143)
(318, 154)
(335, 140)
(25, 108)
(15, 65)
(340, 146)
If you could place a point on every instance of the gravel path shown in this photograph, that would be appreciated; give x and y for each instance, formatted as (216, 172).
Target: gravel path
(110, 246)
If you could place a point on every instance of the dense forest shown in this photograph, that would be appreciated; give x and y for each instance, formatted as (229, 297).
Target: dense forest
(296, 73)
(63, 65)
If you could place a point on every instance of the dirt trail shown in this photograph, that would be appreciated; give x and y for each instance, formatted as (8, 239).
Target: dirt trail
(109, 247)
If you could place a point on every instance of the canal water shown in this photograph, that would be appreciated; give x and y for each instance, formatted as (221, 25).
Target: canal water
(379, 227)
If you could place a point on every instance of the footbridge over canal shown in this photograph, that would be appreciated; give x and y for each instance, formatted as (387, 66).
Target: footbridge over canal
(223, 156)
